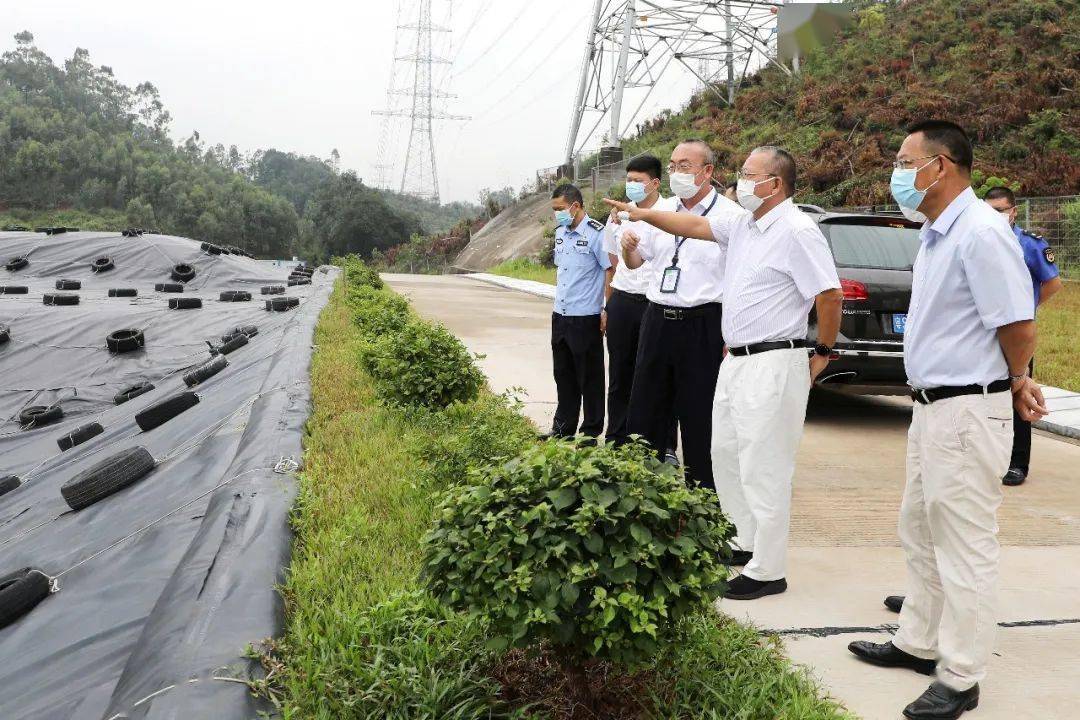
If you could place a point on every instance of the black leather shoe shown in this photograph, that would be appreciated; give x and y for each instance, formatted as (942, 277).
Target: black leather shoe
(744, 588)
(738, 557)
(888, 655)
(1015, 476)
(671, 458)
(894, 602)
(941, 702)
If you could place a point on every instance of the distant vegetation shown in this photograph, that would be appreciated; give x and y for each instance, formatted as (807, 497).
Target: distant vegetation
(1008, 72)
(79, 148)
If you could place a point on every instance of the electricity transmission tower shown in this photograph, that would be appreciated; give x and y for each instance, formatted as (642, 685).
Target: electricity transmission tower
(420, 101)
(631, 43)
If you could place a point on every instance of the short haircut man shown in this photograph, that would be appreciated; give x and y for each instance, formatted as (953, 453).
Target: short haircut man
(570, 193)
(1001, 193)
(648, 164)
(947, 138)
(708, 155)
(782, 166)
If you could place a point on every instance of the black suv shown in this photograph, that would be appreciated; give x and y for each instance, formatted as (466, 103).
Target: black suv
(874, 254)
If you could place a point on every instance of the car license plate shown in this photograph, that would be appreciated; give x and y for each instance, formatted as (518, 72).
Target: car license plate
(899, 322)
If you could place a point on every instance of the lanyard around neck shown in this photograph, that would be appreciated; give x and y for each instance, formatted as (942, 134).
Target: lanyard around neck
(680, 240)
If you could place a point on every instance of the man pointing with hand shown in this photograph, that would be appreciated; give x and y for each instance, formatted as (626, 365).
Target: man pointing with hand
(777, 265)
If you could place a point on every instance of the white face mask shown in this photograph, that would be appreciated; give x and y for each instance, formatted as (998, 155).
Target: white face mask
(745, 190)
(683, 185)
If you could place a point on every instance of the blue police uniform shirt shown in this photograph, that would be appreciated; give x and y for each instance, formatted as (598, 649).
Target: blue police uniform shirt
(1039, 259)
(581, 261)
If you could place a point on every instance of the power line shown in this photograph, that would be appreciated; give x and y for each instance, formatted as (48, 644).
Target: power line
(498, 37)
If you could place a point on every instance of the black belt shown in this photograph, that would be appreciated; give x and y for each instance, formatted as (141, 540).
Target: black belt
(680, 313)
(630, 296)
(930, 395)
(766, 346)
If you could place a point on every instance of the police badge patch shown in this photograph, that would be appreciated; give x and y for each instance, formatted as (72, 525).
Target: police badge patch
(1048, 253)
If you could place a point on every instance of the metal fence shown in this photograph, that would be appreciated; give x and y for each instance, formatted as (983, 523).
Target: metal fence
(1057, 219)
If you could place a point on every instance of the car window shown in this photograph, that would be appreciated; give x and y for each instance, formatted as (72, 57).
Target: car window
(873, 246)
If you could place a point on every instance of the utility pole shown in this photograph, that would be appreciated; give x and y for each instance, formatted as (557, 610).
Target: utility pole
(583, 83)
(615, 138)
(419, 175)
(730, 54)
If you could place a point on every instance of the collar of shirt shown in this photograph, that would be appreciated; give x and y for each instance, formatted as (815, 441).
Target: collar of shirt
(944, 222)
(765, 221)
(700, 207)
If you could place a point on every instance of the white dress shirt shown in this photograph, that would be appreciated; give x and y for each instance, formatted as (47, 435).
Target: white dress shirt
(627, 279)
(776, 266)
(701, 262)
(969, 279)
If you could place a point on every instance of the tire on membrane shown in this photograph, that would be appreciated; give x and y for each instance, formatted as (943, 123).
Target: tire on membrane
(234, 296)
(5, 334)
(107, 477)
(234, 343)
(60, 299)
(300, 281)
(164, 411)
(20, 592)
(62, 284)
(169, 287)
(185, 303)
(282, 304)
(272, 289)
(123, 292)
(102, 264)
(249, 330)
(37, 416)
(9, 483)
(14, 289)
(205, 371)
(132, 392)
(182, 272)
(16, 263)
(214, 249)
(126, 340)
(79, 435)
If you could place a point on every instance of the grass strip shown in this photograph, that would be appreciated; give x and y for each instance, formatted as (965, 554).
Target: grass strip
(525, 269)
(364, 640)
(1057, 354)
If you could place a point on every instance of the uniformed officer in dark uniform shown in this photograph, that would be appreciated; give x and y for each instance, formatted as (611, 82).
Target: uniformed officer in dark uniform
(577, 341)
(1039, 258)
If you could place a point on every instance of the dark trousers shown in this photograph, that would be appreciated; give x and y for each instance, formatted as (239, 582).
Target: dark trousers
(675, 377)
(625, 312)
(577, 353)
(1021, 451)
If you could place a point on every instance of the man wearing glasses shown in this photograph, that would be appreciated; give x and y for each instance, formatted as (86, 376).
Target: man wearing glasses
(777, 265)
(969, 339)
(681, 345)
(1039, 258)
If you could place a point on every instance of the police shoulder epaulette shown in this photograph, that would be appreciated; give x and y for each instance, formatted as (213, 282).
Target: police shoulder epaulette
(596, 224)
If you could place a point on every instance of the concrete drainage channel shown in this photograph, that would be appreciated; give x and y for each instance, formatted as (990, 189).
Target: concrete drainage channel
(151, 412)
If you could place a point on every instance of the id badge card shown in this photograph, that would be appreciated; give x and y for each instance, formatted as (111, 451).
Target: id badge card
(670, 279)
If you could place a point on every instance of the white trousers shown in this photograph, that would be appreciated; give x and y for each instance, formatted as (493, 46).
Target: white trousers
(958, 450)
(758, 414)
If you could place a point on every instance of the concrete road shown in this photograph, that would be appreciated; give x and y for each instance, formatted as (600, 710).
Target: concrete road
(845, 556)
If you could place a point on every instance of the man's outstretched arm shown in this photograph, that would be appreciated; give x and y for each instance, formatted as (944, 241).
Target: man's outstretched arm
(684, 224)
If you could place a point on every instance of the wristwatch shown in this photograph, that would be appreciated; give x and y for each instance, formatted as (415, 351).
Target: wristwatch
(822, 350)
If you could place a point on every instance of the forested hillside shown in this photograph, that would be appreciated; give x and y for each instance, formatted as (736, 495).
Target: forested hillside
(78, 147)
(1009, 72)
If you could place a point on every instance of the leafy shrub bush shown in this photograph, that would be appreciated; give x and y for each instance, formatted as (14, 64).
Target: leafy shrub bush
(377, 312)
(358, 273)
(465, 435)
(421, 364)
(597, 550)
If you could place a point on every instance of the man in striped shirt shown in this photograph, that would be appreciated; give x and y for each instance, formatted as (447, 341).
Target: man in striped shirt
(777, 265)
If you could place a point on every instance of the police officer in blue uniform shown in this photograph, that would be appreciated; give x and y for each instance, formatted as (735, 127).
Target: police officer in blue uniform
(577, 339)
(1039, 258)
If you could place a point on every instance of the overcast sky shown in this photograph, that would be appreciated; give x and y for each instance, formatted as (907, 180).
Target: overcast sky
(305, 76)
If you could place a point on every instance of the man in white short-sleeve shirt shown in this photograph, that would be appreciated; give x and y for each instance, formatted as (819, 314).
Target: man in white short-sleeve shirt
(969, 338)
(777, 266)
(681, 343)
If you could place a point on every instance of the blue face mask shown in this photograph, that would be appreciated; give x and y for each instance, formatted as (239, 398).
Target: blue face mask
(903, 188)
(635, 191)
(564, 218)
